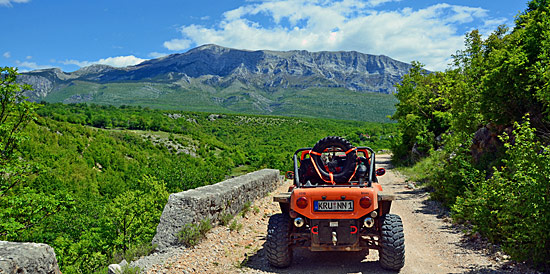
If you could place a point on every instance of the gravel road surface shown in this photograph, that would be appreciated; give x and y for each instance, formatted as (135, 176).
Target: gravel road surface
(432, 243)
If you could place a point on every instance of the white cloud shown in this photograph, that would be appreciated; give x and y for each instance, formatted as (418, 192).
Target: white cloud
(429, 35)
(374, 3)
(119, 61)
(7, 54)
(9, 2)
(178, 44)
(28, 57)
(26, 65)
(156, 54)
(76, 63)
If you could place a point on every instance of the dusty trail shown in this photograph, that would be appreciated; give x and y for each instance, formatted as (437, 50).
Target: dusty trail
(432, 245)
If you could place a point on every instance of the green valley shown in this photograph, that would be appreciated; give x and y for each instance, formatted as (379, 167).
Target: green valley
(310, 102)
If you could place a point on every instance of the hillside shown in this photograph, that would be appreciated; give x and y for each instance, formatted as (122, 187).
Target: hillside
(218, 79)
(106, 172)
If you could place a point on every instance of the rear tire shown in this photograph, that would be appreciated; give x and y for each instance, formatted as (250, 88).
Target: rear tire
(392, 243)
(277, 244)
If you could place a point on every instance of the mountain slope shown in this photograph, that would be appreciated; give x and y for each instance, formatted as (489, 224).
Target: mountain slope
(214, 78)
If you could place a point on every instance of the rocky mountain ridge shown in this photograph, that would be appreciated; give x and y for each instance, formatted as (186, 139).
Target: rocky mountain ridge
(221, 67)
(210, 78)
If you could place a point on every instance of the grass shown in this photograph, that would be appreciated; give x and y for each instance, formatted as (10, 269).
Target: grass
(424, 169)
(246, 209)
(241, 170)
(127, 269)
(235, 226)
(225, 218)
(133, 253)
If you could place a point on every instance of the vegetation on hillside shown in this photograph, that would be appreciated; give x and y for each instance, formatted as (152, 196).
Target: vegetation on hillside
(101, 175)
(331, 103)
(483, 128)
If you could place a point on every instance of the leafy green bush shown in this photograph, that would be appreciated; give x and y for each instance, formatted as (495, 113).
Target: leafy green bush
(191, 234)
(492, 84)
(456, 174)
(512, 207)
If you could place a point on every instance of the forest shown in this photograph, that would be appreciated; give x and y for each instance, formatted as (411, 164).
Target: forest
(477, 134)
(92, 181)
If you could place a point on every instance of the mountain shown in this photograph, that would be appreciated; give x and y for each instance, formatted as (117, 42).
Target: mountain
(215, 78)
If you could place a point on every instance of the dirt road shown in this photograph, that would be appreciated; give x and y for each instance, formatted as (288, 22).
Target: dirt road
(432, 244)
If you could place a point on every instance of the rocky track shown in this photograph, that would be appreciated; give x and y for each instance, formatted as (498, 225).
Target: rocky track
(433, 244)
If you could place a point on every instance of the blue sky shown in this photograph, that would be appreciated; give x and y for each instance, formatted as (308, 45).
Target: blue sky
(70, 34)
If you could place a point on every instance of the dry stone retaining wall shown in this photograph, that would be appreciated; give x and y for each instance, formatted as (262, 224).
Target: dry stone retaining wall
(211, 202)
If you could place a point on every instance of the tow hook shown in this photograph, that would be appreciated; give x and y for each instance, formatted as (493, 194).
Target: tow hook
(334, 239)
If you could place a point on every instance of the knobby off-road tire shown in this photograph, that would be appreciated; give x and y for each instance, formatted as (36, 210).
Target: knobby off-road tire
(277, 244)
(392, 243)
(351, 158)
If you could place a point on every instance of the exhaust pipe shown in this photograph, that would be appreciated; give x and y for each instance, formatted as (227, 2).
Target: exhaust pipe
(369, 222)
(298, 222)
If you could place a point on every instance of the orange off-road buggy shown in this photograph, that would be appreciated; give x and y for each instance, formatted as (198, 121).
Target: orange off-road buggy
(335, 204)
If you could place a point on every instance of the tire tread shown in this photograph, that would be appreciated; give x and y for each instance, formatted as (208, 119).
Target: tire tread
(392, 243)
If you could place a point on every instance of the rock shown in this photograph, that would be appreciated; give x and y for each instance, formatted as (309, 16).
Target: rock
(27, 258)
(211, 202)
(486, 140)
(114, 269)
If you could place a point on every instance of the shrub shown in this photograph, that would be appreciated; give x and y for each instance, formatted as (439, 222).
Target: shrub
(225, 218)
(512, 208)
(454, 175)
(191, 234)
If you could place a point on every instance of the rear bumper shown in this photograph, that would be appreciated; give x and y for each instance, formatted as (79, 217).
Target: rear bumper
(335, 235)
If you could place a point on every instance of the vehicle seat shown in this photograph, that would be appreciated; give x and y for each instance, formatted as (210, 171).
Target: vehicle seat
(308, 173)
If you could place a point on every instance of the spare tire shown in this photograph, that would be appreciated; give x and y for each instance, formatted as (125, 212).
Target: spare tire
(338, 176)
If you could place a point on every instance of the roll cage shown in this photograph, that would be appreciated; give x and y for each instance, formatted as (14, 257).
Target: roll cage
(356, 181)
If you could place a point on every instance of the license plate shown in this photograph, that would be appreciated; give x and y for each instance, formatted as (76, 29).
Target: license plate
(333, 205)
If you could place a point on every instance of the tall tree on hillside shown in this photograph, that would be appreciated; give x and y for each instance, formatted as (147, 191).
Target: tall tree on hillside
(518, 71)
(20, 206)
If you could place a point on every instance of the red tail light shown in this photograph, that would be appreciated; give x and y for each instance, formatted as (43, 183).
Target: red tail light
(301, 202)
(315, 230)
(365, 202)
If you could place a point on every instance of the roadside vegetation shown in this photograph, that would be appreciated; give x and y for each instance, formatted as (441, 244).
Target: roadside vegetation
(92, 181)
(478, 134)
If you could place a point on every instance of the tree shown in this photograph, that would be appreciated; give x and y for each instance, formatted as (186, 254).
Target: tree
(20, 207)
(422, 113)
(134, 214)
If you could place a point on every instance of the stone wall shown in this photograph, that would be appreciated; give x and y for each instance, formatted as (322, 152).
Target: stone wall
(27, 258)
(211, 202)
